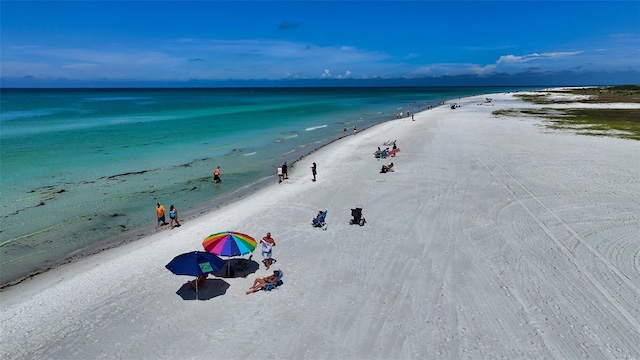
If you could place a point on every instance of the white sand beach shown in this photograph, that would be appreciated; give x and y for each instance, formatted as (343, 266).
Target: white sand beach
(494, 238)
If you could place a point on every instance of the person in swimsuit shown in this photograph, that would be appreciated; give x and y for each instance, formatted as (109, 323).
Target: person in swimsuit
(313, 171)
(173, 216)
(216, 175)
(259, 283)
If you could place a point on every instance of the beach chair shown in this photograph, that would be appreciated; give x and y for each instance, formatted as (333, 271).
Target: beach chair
(319, 221)
(198, 283)
(275, 284)
(357, 216)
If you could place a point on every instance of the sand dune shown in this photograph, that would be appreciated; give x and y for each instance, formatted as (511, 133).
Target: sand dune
(493, 238)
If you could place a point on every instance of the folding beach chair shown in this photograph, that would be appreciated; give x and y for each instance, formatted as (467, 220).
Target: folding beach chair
(275, 284)
(319, 221)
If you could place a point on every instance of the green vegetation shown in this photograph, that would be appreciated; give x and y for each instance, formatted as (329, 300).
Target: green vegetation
(620, 123)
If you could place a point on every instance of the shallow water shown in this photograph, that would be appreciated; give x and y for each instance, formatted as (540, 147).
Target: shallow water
(82, 166)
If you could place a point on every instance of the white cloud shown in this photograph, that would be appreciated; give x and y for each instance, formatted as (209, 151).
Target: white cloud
(344, 76)
(79, 66)
(535, 56)
(262, 59)
(453, 69)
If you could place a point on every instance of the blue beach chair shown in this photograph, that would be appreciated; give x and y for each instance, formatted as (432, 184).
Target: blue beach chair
(275, 284)
(319, 221)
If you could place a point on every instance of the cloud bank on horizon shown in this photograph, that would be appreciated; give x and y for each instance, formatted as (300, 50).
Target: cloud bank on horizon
(95, 43)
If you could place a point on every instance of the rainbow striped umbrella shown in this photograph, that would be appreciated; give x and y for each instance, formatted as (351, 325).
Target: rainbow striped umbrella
(229, 243)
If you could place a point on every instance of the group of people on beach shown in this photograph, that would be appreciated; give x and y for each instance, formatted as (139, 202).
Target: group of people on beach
(282, 172)
(267, 243)
(355, 130)
(382, 154)
(173, 216)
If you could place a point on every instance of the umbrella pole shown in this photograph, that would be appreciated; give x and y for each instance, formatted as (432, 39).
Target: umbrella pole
(196, 288)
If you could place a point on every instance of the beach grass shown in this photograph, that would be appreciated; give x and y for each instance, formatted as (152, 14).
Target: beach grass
(598, 95)
(619, 123)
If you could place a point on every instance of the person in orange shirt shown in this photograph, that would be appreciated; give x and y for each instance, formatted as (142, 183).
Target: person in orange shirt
(160, 213)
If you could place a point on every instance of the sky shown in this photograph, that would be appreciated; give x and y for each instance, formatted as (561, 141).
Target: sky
(183, 43)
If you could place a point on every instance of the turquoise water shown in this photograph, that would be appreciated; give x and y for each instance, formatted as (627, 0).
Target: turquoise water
(85, 167)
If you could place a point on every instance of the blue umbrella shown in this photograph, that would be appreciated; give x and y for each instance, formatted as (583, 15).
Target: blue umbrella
(195, 263)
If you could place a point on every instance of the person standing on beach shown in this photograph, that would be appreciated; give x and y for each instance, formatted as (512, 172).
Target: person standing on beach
(313, 171)
(267, 244)
(279, 173)
(345, 130)
(173, 216)
(354, 130)
(285, 173)
(160, 214)
(216, 175)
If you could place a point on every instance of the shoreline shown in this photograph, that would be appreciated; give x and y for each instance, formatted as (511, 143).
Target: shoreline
(141, 232)
(491, 238)
(64, 236)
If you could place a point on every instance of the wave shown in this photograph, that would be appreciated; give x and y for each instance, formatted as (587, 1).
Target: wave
(115, 98)
(12, 115)
(251, 153)
(315, 127)
(290, 136)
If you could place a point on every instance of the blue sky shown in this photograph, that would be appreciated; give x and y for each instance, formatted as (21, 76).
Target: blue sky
(179, 42)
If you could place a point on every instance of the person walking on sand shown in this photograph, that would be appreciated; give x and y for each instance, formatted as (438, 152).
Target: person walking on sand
(267, 244)
(313, 171)
(285, 173)
(173, 216)
(216, 175)
(279, 173)
(160, 214)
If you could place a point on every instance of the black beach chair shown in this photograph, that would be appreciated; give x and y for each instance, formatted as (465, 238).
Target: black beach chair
(357, 216)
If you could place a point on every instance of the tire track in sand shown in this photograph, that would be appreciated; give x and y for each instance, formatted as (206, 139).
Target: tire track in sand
(563, 247)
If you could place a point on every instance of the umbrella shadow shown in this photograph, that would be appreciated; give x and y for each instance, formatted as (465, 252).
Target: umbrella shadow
(238, 268)
(210, 289)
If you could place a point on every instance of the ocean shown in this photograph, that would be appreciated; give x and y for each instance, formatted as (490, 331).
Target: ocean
(82, 169)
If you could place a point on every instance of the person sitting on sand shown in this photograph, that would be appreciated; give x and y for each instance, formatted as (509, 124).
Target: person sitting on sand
(386, 168)
(259, 283)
